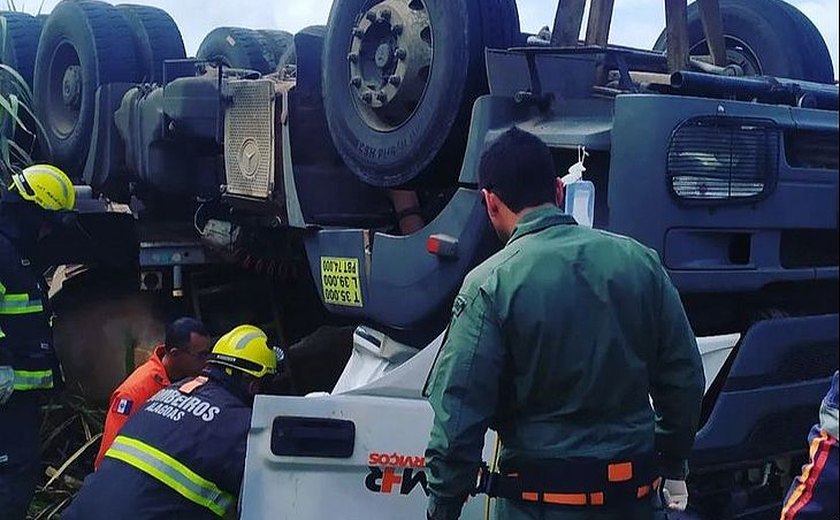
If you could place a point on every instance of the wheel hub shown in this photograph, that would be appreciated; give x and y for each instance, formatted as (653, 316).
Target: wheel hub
(65, 91)
(383, 55)
(738, 53)
(390, 60)
(71, 87)
(743, 59)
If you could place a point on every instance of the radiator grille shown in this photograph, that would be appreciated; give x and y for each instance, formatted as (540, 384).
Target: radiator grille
(249, 139)
(723, 159)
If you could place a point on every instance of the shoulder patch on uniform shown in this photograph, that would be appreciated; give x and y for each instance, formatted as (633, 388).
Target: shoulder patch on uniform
(123, 406)
(459, 306)
(190, 386)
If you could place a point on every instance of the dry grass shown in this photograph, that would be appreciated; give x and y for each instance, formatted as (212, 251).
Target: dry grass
(69, 441)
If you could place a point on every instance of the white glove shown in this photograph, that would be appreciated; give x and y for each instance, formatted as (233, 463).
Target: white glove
(7, 383)
(675, 495)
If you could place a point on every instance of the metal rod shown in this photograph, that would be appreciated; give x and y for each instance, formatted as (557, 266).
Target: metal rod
(765, 89)
(713, 28)
(567, 23)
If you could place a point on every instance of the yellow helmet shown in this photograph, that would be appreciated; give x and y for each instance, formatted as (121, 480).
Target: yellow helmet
(246, 349)
(46, 186)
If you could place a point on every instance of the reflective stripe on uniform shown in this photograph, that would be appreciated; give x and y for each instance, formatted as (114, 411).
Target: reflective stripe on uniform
(19, 304)
(804, 492)
(33, 379)
(2, 293)
(172, 473)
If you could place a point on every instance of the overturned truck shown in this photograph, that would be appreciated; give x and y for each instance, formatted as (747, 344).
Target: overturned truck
(330, 178)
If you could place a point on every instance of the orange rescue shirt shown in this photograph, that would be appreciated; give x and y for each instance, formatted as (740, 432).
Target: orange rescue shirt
(143, 383)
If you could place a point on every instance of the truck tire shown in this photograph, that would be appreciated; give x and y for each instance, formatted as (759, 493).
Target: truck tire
(238, 48)
(399, 114)
(282, 46)
(84, 44)
(156, 39)
(21, 43)
(765, 37)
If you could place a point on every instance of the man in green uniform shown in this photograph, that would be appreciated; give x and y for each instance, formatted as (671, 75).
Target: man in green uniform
(561, 342)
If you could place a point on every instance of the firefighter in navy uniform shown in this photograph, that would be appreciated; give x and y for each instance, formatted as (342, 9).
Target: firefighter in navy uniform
(36, 201)
(183, 454)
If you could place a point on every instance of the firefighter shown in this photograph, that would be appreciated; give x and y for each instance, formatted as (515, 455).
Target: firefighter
(183, 353)
(36, 201)
(559, 342)
(813, 494)
(182, 455)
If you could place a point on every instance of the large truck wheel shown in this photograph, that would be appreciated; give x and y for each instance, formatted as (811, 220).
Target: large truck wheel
(84, 44)
(765, 37)
(20, 43)
(400, 78)
(156, 39)
(238, 48)
(282, 45)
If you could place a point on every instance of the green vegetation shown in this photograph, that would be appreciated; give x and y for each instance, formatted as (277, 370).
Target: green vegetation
(71, 430)
(23, 138)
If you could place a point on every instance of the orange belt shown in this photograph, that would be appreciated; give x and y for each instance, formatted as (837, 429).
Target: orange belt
(596, 498)
(579, 483)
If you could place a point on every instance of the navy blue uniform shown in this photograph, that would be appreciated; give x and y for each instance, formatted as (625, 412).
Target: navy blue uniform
(813, 494)
(25, 345)
(181, 456)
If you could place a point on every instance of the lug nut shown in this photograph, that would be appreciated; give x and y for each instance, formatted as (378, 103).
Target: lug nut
(382, 97)
(367, 97)
(397, 29)
(356, 82)
(395, 80)
(353, 57)
(371, 16)
(401, 54)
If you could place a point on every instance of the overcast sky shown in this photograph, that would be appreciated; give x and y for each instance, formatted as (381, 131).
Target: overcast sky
(637, 22)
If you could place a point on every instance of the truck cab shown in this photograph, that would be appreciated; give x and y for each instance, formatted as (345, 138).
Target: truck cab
(339, 188)
(656, 161)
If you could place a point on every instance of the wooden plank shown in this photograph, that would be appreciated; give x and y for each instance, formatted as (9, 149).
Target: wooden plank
(713, 28)
(567, 23)
(598, 25)
(650, 78)
(676, 27)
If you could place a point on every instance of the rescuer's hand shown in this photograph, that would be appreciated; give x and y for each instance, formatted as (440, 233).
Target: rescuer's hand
(675, 495)
(7, 383)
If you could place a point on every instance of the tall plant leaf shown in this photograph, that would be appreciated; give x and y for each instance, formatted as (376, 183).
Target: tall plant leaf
(10, 106)
(12, 80)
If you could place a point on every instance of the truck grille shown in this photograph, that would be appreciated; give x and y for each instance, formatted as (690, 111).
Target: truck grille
(723, 159)
(249, 139)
